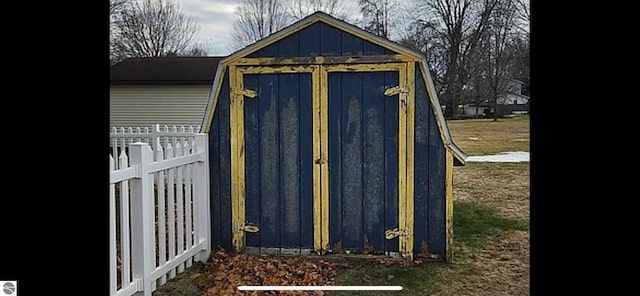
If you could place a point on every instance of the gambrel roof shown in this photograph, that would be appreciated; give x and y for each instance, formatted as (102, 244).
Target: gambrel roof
(351, 29)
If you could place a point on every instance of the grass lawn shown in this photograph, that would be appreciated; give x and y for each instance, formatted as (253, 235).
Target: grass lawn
(484, 136)
(491, 227)
(491, 240)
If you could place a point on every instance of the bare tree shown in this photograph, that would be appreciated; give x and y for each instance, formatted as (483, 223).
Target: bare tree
(500, 63)
(152, 28)
(376, 15)
(298, 9)
(116, 5)
(457, 26)
(256, 19)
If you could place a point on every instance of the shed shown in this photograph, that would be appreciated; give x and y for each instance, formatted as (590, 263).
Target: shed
(160, 90)
(325, 138)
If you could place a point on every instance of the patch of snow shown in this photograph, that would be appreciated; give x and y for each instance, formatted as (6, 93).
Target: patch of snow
(517, 156)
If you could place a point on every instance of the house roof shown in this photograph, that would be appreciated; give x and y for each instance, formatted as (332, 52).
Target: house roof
(165, 70)
(319, 16)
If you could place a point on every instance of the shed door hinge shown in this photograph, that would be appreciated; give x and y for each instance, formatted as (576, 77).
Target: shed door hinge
(246, 92)
(392, 91)
(393, 233)
(246, 227)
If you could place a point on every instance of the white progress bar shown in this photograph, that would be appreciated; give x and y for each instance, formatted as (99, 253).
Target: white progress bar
(318, 288)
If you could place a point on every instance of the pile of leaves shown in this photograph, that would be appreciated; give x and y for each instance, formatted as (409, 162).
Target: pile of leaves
(227, 271)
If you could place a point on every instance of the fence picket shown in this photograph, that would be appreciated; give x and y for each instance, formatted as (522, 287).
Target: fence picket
(112, 233)
(162, 231)
(187, 202)
(172, 210)
(180, 197)
(125, 251)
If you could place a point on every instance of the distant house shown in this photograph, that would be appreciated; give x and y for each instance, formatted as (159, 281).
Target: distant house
(513, 102)
(168, 90)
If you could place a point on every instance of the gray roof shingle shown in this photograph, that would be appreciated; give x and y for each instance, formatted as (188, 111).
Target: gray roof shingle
(165, 70)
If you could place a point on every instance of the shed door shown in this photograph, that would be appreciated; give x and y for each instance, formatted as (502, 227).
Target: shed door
(319, 158)
(272, 175)
(366, 146)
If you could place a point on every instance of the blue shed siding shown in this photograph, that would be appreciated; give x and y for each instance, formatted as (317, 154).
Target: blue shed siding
(220, 171)
(278, 171)
(320, 39)
(429, 176)
(363, 149)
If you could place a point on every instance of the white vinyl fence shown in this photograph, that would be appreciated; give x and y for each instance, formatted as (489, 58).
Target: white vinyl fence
(156, 135)
(159, 214)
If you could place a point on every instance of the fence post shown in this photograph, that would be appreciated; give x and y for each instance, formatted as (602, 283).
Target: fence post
(201, 201)
(142, 220)
(112, 233)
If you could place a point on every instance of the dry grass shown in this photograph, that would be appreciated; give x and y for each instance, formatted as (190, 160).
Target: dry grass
(483, 136)
(501, 265)
(503, 186)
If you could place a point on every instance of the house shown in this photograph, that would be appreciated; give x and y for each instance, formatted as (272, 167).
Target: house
(325, 138)
(512, 102)
(167, 90)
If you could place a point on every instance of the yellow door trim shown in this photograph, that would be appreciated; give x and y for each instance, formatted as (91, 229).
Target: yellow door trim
(449, 206)
(317, 155)
(324, 154)
(237, 158)
(411, 109)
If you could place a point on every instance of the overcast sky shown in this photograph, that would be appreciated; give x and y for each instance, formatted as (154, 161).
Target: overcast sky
(215, 18)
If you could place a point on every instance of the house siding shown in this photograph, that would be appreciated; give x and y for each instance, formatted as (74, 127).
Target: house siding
(145, 105)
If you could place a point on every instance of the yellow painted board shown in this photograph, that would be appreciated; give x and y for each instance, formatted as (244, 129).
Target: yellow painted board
(410, 156)
(449, 206)
(402, 169)
(365, 67)
(310, 60)
(324, 154)
(233, 119)
(275, 70)
(240, 153)
(317, 219)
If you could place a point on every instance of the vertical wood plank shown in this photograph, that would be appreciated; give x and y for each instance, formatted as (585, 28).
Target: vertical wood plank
(410, 84)
(324, 167)
(289, 138)
(202, 214)
(252, 130)
(449, 206)
(317, 227)
(237, 237)
(180, 209)
(142, 230)
(162, 224)
(171, 209)
(112, 234)
(188, 202)
(125, 253)
(402, 164)
(334, 101)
